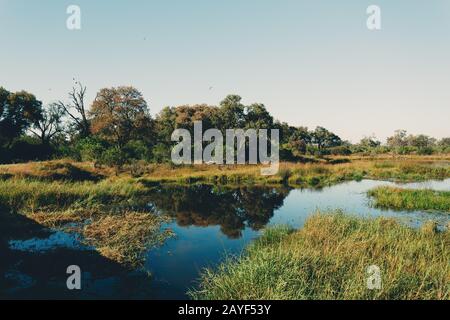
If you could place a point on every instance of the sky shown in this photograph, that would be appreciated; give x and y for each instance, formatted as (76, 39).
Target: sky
(311, 62)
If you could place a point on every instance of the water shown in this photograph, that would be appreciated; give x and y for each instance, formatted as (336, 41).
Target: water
(209, 222)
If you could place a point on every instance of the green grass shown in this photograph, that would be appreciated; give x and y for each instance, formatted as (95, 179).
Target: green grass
(29, 194)
(408, 199)
(328, 259)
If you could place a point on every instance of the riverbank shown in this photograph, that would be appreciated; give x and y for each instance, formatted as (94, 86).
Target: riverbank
(329, 258)
(314, 173)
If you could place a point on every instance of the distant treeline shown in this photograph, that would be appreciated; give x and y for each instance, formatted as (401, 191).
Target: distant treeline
(117, 128)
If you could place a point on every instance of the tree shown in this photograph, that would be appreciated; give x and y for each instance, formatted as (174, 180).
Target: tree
(398, 139)
(369, 142)
(299, 140)
(165, 124)
(420, 141)
(325, 139)
(18, 111)
(49, 124)
(231, 113)
(76, 110)
(444, 142)
(257, 117)
(120, 115)
(185, 116)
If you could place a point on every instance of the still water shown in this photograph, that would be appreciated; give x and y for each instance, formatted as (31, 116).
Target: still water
(209, 223)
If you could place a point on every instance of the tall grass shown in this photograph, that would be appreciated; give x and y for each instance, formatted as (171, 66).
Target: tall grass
(408, 199)
(328, 259)
(29, 194)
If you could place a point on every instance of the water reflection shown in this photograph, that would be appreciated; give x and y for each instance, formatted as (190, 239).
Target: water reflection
(233, 209)
(34, 259)
(209, 222)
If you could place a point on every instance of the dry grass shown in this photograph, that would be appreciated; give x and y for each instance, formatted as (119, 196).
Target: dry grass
(126, 237)
(123, 237)
(56, 170)
(410, 168)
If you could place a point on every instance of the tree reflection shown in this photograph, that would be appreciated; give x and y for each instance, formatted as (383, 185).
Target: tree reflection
(231, 208)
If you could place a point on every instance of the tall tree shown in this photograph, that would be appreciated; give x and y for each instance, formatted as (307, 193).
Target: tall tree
(121, 115)
(76, 110)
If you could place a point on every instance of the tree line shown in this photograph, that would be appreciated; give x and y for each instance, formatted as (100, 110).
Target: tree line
(117, 128)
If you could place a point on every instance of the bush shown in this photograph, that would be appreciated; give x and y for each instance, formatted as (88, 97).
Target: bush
(405, 150)
(137, 150)
(340, 150)
(284, 174)
(425, 151)
(91, 149)
(113, 157)
(29, 149)
(161, 153)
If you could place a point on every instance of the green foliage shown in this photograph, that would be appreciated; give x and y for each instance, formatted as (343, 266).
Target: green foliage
(18, 111)
(137, 150)
(325, 139)
(425, 151)
(119, 122)
(25, 149)
(161, 153)
(90, 149)
(340, 150)
(113, 157)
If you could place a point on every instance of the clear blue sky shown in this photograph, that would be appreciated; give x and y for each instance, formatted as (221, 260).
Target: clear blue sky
(311, 62)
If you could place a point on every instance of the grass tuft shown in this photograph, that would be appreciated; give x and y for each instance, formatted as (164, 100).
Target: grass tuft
(411, 199)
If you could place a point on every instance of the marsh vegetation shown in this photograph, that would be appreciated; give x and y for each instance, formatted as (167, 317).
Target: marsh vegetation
(328, 259)
(407, 199)
(108, 209)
